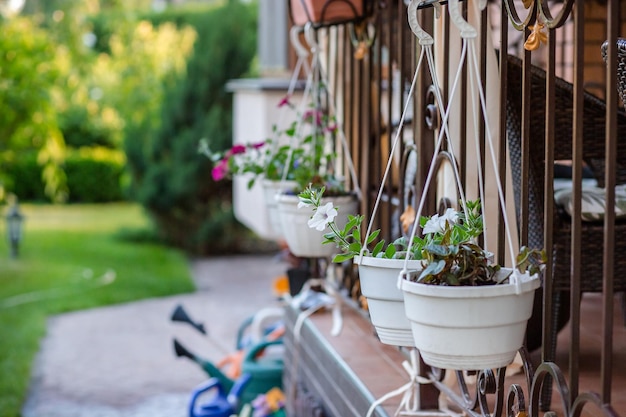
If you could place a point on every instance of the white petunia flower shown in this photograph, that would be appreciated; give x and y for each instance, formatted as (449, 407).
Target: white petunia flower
(451, 216)
(323, 215)
(437, 223)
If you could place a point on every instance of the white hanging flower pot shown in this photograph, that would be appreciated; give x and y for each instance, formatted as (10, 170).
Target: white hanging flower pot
(304, 241)
(385, 301)
(469, 328)
(270, 189)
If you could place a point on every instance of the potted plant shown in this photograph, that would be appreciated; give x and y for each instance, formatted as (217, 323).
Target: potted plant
(379, 263)
(446, 258)
(262, 162)
(296, 156)
(465, 312)
(312, 167)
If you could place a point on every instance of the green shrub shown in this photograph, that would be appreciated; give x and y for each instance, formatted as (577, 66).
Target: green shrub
(30, 69)
(23, 176)
(80, 129)
(169, 177)
(94, 175)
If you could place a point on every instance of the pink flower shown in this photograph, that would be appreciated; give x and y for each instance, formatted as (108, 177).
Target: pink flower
(331, 128)
(257, 145)
(237, 149)
(313, 117)
(284, 102)
(220, 170)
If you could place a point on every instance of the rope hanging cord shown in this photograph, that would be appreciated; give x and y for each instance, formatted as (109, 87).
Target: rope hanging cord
(316, 76)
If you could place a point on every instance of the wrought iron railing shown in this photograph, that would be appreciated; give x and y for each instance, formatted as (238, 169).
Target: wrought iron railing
(560, 37)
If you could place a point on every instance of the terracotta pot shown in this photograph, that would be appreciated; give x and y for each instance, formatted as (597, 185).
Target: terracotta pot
(325, 12)
(469, 328)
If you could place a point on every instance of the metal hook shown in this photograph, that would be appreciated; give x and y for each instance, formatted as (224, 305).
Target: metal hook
(424, 38)
(309, 35)
(294, 35)
(361, 39)
(467, 30)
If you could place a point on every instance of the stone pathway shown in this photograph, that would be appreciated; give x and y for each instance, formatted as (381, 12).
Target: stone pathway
(119, 361)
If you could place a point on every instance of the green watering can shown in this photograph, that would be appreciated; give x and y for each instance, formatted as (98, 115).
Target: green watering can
(263, 364)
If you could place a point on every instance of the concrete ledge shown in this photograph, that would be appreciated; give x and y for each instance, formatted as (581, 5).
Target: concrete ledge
(262, 84)
(345, 373)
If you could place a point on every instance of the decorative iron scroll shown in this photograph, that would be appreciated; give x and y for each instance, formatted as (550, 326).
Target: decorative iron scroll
(490, 396)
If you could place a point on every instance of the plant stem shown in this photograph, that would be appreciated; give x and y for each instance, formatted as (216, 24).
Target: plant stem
(344, 243)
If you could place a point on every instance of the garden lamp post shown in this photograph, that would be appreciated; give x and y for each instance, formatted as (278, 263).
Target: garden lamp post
(14, 227)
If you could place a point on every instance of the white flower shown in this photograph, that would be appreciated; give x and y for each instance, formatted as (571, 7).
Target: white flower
(323, 215)
(437, 224)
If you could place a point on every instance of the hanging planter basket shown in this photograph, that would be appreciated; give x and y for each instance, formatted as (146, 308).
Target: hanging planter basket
(271, 189)
(385, 301)
(302, 240)
(327, 12)
(469, 328)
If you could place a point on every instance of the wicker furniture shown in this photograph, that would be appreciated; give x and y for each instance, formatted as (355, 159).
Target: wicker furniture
(592, 234)
(621, 66)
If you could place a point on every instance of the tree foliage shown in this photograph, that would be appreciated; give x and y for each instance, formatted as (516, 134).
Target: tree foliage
(58, 93)
(112, 74)
(29, 71)
(169, 176)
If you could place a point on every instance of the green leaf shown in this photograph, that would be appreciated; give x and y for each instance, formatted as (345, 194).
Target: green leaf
(439, 250)
(433, 268)
(355, 247)
(451, 279)
(379, 246)
(391, 250)
(373, 236)
(342, 257)
(352, 222)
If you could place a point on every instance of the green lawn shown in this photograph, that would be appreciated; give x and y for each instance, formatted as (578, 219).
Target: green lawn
(73, 257)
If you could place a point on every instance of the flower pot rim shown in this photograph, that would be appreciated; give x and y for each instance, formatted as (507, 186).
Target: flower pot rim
(390, 263)
(529, 283)
(288, 183)
(286, 197)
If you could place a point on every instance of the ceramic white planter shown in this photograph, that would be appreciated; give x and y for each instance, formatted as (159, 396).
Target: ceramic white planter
(469, 328)
(302, 240)
(385, 301)
(270, 190)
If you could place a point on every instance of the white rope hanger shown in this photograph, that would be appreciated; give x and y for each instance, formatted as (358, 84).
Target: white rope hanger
(410, 403)
(469, 34)
(315, 78)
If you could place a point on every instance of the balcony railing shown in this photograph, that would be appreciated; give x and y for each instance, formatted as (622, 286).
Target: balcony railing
(541, 110)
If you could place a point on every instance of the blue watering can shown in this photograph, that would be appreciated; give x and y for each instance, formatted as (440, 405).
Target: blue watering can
(220, 404)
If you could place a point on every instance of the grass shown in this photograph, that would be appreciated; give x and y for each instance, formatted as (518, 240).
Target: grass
(71, 258)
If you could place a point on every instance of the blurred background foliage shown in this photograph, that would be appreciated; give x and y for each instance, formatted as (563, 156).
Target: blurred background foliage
(105, 100)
